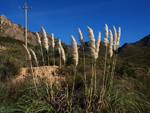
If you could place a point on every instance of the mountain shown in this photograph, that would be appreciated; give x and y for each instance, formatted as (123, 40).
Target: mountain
(144, 42)
(138, 54)
(16, 31)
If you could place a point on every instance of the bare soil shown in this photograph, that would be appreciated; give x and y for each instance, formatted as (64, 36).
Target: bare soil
(50, 73)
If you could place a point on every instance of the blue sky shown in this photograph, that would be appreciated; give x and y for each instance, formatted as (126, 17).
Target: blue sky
(64, 17)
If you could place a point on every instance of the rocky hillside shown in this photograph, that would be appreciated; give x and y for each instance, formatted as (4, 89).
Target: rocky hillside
(144, 42)
(137, 53)
(16, 31)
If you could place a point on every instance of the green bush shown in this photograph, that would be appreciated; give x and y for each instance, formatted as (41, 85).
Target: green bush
(9, 67)
(126, 69)
(69, 60)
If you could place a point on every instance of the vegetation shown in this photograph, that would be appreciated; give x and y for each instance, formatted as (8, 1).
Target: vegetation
(92, 84)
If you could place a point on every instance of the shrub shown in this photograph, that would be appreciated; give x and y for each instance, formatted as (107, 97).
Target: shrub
(9, 67)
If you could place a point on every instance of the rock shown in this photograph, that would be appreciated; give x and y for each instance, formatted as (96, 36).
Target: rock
(16, 31)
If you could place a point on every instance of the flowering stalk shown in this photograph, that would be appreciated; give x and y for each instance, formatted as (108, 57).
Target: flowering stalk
(81, 37)
(53, 45)
(106, 41)
(110, 50)
(59, 50)
(75, 51)
(39, 41)
(115, 46)
(29, 58)
(92, 48)
(97, 45)
(45, 42)
(82, 43)
(45, 39)
(75, 57)
(96, 56)
(93, 53)
(92, 42)
(63, 53)
(35, 58)
(46, 46)
(116, 50)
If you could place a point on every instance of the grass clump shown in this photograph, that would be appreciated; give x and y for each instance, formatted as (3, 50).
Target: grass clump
(9, 67)
(88, 86)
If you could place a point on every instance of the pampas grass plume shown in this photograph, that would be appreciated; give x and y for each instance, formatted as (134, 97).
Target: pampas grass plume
(53, 43)
(115, 34)
(92, 41)
(111, 44)
(27, 51)
(59, 46)
(119, 34)
(97, 45)
(34, 55)
(81, 37)
(39, 39)
(61, 51)
(115, 39)
(75, 50)
(106, 31)
(106, 41)
(45, 39)
(63, 54)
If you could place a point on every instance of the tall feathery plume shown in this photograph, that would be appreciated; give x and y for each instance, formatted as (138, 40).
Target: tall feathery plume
(106, 41)
(27, 51)
(110, 50)
(45, 39)
(53, 43)
(92, 41)
(35, 58)
(63, 54)
(39, 39)
(62, 51)
(96, 56)
(97, 45)
(29, 57)
(34, 55)
(82, 44)
(115, 57)
(45, 44)
(75, 57)
(119, 34)
(75, 50)
(115, 39)
(59, 50)
(59, 46)
(93, 53)
(81, 37)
